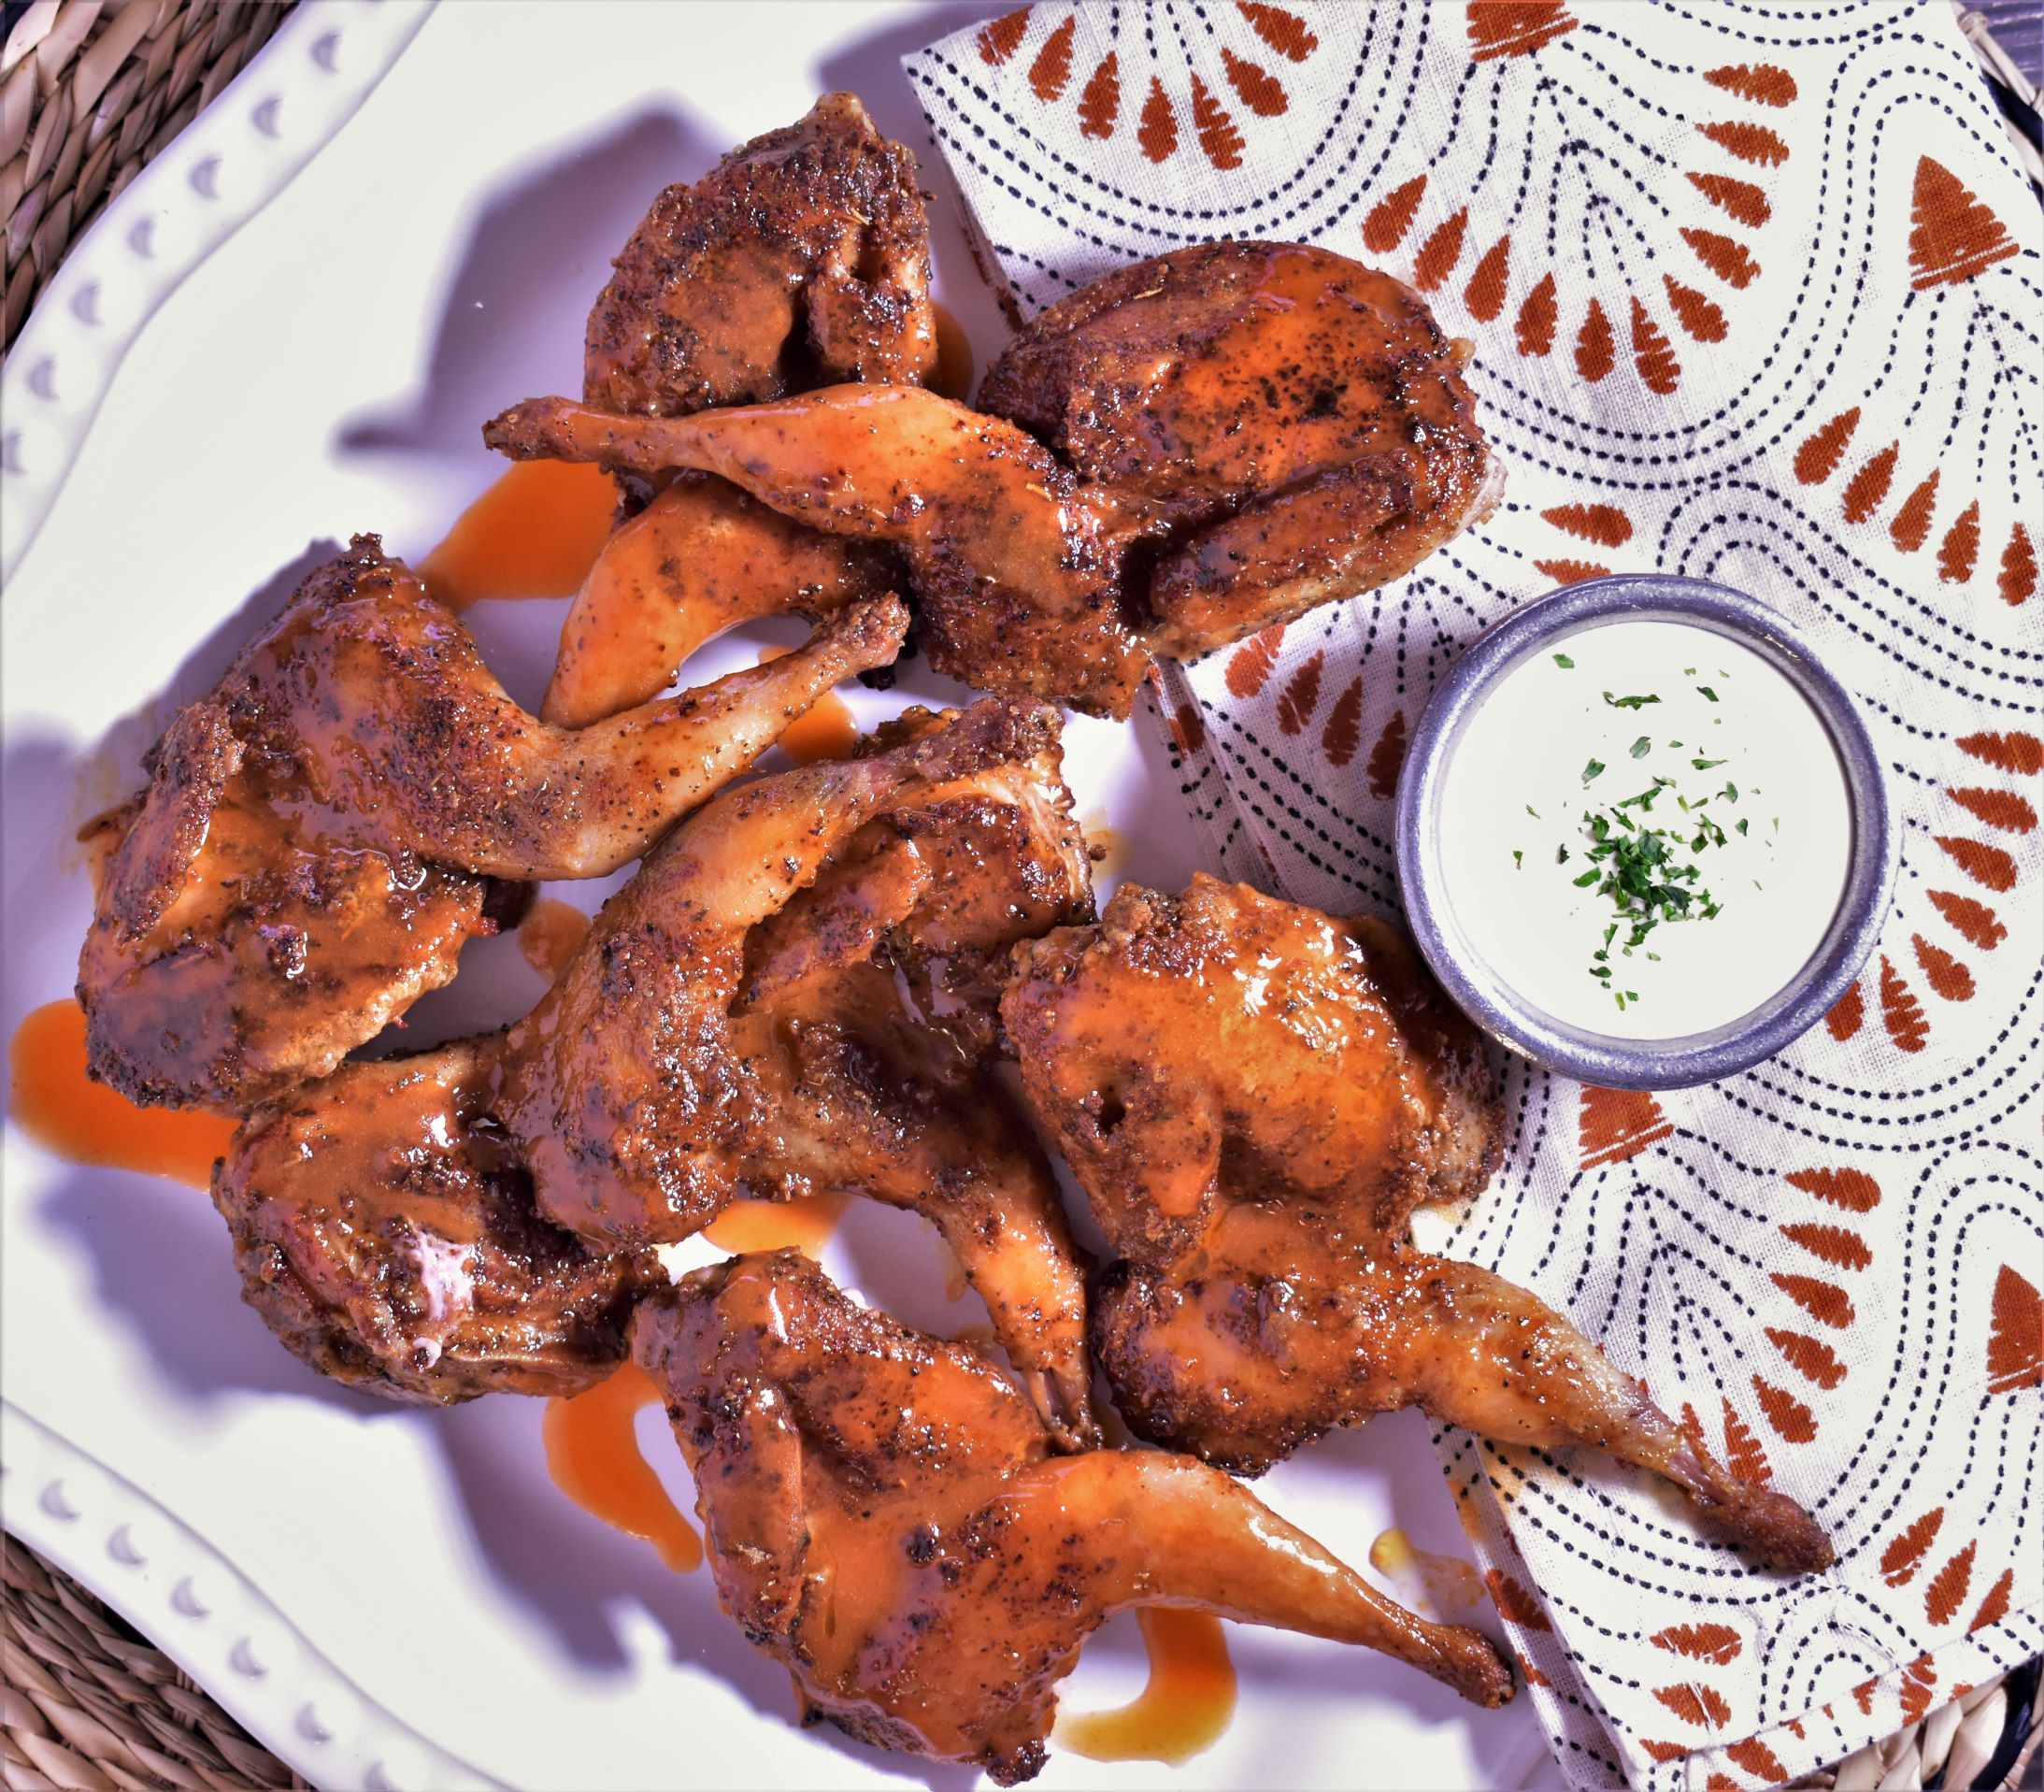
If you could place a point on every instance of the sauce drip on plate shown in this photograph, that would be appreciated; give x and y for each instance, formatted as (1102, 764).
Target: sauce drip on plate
(594, 1455)
(535, 533)
(63, 1110)
(1442, 1586)
(825, 731)
(548, 936)
(1185, 1707)
(953, 357)
(804, 1224)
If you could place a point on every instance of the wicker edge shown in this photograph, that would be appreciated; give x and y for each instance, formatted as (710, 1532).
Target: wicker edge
(86, 1703)
(90, 92)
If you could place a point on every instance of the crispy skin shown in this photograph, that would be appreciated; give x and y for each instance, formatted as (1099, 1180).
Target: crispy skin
(320, 829)
(1015, 568)
(1238, 432)
(797, 993)
(1254, 1096)
(700, 558)
(385, 1231)
(802, 259)
(1298, 418)
(885, 1516)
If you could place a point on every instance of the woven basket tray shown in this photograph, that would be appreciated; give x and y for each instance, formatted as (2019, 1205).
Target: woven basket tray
(90, 90)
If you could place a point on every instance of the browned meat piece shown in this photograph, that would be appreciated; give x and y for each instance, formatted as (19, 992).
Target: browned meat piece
(386, 1232)
(1254, 429)
(1299, 419)
(316, 839)
(868, 1020)
(885, 1516)
(700, 558)
(801, 260)
(1254, 1096)
(796, 992)
(1015, 567)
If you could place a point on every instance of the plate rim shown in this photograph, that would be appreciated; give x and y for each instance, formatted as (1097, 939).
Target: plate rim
(234, 158)
(130, 1552)
(56, 1498)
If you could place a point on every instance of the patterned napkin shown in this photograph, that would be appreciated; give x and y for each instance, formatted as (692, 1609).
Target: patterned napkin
(1756, 295)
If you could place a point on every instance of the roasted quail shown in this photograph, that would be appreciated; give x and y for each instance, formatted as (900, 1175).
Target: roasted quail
(868, 1020)
(320, 829)
(797, 992)
(700, 558)
(883, 1515)
(1247, 430)
(803, 259)
(384, 1229)
(1254, 1096)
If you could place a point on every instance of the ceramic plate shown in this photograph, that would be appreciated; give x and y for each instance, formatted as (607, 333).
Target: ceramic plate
(288, 330)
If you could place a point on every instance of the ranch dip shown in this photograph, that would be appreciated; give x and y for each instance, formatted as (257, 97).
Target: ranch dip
(1645, 830)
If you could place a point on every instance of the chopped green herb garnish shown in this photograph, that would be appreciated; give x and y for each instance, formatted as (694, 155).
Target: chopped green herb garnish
(1561, 856)
(1533, 812)
(1688, 671)
(1708, 692)
(1641, 747)
(1586, 880)
(1705, 765)
(1592, 769)
(1730, 792)
(1563, 661)
(1518, 861)
(1629, 702)
(1742, 826)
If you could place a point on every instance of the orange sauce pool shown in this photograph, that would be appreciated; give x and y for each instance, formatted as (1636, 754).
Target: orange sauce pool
(535, 533)
(548, 936)
(1435, 1585)
(804, 1224)
(1105, 845)
(593, 1456)
(64, 1112)
(827, 731)
(1183, 1709)
(953, 357)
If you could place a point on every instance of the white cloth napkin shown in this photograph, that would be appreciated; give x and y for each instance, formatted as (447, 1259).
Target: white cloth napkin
(1756, 294)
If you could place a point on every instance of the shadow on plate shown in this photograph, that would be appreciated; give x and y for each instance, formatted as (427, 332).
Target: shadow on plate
(538, 258)
(163, 1267)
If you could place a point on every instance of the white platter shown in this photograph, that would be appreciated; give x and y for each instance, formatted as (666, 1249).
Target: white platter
(345, 270)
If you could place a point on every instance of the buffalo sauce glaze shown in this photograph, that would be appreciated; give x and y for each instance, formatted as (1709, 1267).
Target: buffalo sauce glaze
(825, 731)
(1183, 1709)
(1440, 1587)
(593, 1456)
(548, 936)
(535, 533)
(66, 1112)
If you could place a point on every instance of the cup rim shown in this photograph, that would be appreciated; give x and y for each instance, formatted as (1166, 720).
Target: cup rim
(1581, 1052)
